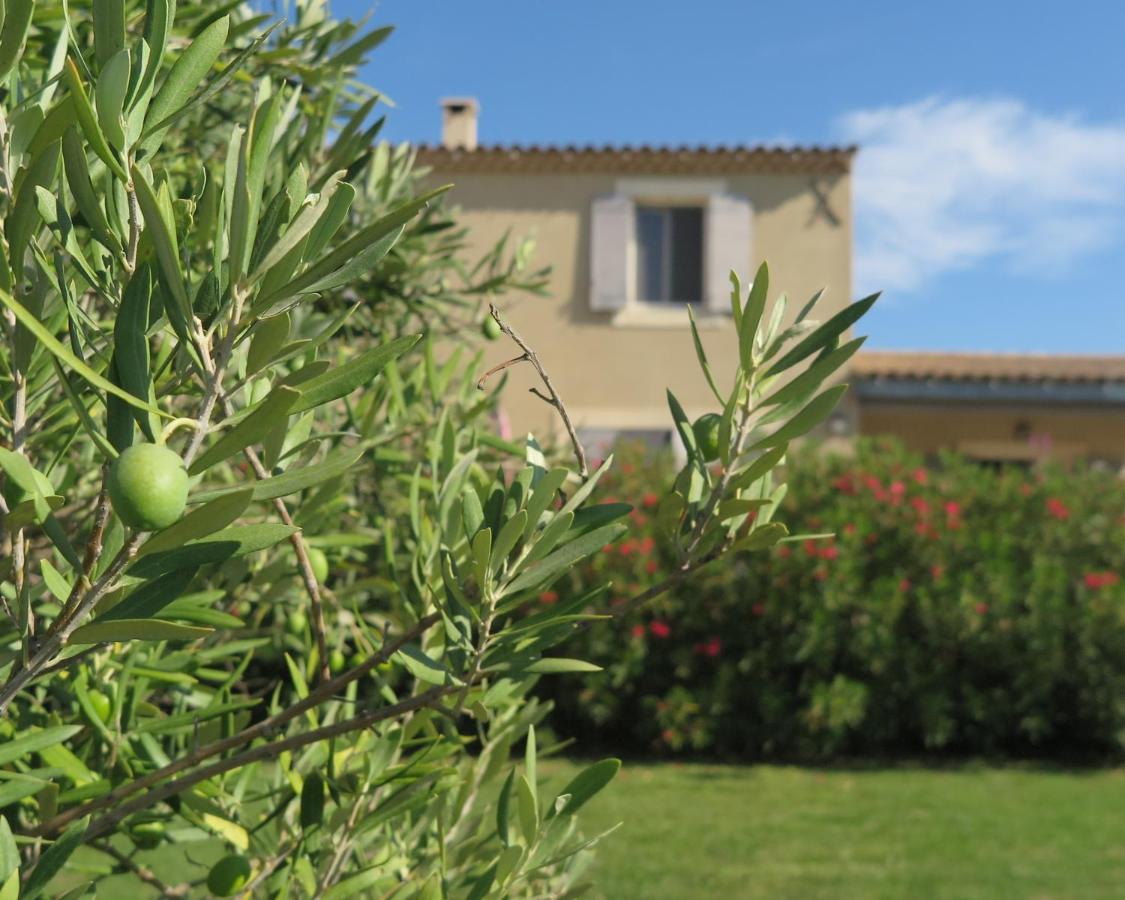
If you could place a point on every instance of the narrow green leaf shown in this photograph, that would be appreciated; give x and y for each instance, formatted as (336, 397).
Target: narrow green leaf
(269, 337)
(701, 355)
(528, 805)
(48, 340)
(189, 71)
(163, 235)
(557, 665)
(82, 188)
(137, 630)
(130, 340)
(53, 860)
(565, 557)
(222, 545)
(808, 418)
(815, 374)
(502, 809)
(423, 666)
(201, 521)
(271, 413)
(360, 370)
(755, 307)
(13, 34)
(109, 29)
(762, 538)
(109, 97)
(824, 335)
(585, 785)
(9, 853)
(335, 464)
(354, 252)
(89, 122)
(34, 741)
(506, 540)
(541, 499)
(149, 598)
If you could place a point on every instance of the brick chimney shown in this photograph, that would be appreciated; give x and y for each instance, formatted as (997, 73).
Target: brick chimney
(459, 123)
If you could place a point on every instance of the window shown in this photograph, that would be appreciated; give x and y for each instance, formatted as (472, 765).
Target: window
(669, 242)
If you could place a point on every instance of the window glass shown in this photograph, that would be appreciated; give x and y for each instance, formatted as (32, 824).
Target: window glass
(669, 244)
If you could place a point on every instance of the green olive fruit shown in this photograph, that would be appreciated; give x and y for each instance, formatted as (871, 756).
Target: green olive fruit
(297, 622)
(490, 328)
(147, 835)
(319, 563)
(148, 486)
(100, 703)
(706, 431)
(337, 661)
(229, 875)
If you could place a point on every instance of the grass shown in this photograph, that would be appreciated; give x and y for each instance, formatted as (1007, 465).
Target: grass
(695, 831)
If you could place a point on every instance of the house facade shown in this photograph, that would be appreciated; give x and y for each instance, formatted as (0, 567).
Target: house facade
(634, 234)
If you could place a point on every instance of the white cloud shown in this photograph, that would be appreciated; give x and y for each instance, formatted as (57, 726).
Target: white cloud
(944, 185)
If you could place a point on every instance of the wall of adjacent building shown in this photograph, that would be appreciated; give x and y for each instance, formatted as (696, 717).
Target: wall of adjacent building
(1001, 432)
(614, 376)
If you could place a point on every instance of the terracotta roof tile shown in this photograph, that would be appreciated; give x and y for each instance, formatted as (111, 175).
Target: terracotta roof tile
(646, 159)
(1008, 367)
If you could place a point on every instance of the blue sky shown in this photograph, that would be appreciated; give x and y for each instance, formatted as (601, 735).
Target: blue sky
(990, 186)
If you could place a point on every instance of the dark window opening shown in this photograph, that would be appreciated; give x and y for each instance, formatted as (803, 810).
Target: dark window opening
(669, 254)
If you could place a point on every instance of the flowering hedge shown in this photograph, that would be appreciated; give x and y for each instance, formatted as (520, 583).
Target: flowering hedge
(958, 609)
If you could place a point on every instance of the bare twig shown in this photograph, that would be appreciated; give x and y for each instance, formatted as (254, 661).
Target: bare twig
(272, 750)
(267, 726)
(552, 397)
(134, 228)
(93, 553)
(50, 647)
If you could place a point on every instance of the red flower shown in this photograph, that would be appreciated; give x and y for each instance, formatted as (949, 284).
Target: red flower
(627, 547)
(1097, 580)
(650, 500)
(713, 647)
(660, 629)
(981, 609)
(1025, 489)
(652, 567)
(638, 631)
(952, 509)
(920, 475)
(626, 468)
(646, 546)
(871, 538)
(904, 585)
(849, 529)
(811, 549)
(758, 609)
(872, 482)
(898, 489)
(1058, 509)
(844, 484)
(549, 597)
(829, 552)
(608, 548)
(668, 734)
(937, 572)
(784, 552)
(920, 505)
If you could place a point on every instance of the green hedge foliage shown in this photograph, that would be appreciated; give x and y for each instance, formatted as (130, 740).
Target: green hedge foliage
(958, 609)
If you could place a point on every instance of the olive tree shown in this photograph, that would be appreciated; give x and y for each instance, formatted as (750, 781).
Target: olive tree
(265, 571)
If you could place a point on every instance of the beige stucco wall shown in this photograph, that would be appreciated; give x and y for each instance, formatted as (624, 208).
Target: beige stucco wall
(989, 431)
(614, 376)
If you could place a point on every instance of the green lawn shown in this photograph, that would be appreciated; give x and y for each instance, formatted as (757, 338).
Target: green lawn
(702, 831)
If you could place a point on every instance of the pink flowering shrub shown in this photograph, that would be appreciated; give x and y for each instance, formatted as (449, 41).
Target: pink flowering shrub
(957, 608)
